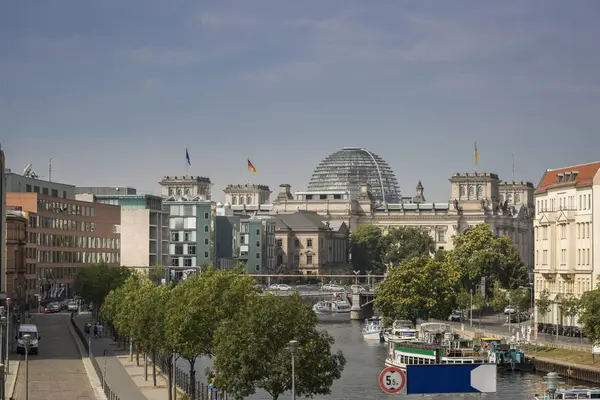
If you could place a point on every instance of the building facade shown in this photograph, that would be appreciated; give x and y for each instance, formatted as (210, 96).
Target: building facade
(144, 228)
(105, 190)
(192, 186)
(308, 245)
(565, 226)
(227, 236)
(247, 194)
(192, 231)
(16, 243)
(29, 184)
(2, 222)
(257, 244)
(507, 207)
(63, 236)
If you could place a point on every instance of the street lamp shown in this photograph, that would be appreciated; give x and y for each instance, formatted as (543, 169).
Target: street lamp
(293, 347)
(27, 344)
(8, 302)
(3, 330)
(3, 382)
(356, 277)
(104, 375)
(369, 280)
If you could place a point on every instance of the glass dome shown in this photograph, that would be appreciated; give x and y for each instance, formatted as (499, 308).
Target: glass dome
(353, 167)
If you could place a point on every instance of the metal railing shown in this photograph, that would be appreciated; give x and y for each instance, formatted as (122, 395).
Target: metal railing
(108, 391)
(181, 379)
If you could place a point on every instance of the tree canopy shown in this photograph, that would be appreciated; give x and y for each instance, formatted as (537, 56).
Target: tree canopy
(404, 243)
(367, 249)
(418, 288)
(478, 253)
(590, 315)
(252, 351)
(543, 304)
(94, 282)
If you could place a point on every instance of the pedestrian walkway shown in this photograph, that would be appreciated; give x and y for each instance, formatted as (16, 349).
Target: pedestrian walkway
(11, 377)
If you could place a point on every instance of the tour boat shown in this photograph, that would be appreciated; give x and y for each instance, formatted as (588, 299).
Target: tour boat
(373, 329)
(438, 345)
(579, 393)
(401, 331)
(333, 309)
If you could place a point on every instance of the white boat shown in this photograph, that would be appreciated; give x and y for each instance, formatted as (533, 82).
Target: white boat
(578, 393)
(438, 345)
(333, 309)
(401, 331)
(373, 329)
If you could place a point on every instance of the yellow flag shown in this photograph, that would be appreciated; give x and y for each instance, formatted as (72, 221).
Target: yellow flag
(476, 154)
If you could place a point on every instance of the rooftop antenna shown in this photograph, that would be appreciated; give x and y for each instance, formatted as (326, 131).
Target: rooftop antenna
(50, 169)
(27, 170)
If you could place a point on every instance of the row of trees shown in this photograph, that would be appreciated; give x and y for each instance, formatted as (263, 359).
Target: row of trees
(219, 314)
(421, 284)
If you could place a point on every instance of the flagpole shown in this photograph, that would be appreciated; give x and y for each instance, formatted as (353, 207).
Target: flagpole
(513, 167)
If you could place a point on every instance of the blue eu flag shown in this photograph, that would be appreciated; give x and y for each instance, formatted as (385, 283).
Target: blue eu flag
(187, 157)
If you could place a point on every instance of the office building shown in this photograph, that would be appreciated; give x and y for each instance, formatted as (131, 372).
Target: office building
(105, 190)
(144, 228)
(566, 225)
(307, 244)
(64, 235)
(257, 245)
(227, 237)
(29, 183)
(16, 243)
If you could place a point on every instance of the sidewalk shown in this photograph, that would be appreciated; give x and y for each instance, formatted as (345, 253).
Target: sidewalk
(122, 375)
(11, 378)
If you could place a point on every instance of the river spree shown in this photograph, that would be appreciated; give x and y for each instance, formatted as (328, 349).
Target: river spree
(366, 360)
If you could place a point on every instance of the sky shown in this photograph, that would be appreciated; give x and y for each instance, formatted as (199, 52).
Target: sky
(115, 91)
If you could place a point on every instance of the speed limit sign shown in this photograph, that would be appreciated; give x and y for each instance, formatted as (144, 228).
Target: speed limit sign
(392, 380)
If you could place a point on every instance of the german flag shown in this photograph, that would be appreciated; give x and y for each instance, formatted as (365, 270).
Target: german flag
(251, 168)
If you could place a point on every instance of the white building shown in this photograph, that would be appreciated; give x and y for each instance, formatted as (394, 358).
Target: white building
(567, 204)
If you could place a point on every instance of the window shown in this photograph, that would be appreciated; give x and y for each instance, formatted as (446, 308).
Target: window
(205, 228)
(178, 249)
(563, 231)
(28, 188)
(54, 193)
(309, 259)
(545, 257)
(578, 256)
(206, 254)
(258, 243)
(563, 256)
(186, 237)
(175, 261)
(297, 243)
(308, 242)
(279, 243)
(174, 236)
(258, 231)
(205, 215)
(191, 249)
(187, 262)
(206, 241)
(441, 236)
(243, 239)
(589, 201)
(257, 255)
(188, 210)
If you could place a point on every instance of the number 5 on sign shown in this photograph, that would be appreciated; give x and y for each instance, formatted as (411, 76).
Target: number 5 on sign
(392, 380)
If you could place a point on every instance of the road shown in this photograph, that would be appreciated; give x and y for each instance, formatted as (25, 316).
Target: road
(57, 372)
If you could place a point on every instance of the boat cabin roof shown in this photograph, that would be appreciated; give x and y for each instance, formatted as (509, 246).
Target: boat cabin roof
(491, 339)
(578, 393)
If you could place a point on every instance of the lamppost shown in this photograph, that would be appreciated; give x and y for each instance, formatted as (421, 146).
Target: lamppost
(293, 347)
(8, 334)
(369, 280)
(3, 330)
(2, 382)
(104, 374)
(356, 277)
(27, 344)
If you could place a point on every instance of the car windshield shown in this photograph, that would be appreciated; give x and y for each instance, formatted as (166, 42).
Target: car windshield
(21, 334)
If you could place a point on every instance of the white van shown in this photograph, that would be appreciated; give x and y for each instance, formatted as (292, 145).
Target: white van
(28, 329)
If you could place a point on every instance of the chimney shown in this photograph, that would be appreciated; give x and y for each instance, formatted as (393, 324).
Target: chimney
(285, 192)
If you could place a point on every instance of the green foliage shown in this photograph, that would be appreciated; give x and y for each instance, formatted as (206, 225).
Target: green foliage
(478, 253)
(590, 315)
(520, 298)
(463, 300)
(199, 305)
(157, 273)
(94, 282)
(440, 255)
(418, 288)
(570, 307)
(367, 251)
(499, 299)
(404, 243)
(252, 350)
(543, 304)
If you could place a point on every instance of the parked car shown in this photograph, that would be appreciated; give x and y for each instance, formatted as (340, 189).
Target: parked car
(357, 288)
(72, 306)
(280, 286)
(456, 316)
(329, 287)
(510, 310)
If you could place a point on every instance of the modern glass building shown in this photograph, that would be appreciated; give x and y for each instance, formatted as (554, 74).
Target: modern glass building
(352, 168)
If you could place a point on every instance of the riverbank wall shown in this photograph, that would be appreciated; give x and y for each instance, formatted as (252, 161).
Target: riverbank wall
(565, 369)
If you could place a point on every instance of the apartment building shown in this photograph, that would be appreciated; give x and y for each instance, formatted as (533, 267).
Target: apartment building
(16, 243)
(191, 230)
(64, 235)
(308, 245)
(227, 236)
(565, 226)
(258, 244)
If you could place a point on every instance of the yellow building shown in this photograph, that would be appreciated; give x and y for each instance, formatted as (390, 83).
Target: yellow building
(307, 244)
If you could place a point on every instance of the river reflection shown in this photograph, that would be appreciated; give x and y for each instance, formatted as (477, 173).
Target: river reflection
(366, 360)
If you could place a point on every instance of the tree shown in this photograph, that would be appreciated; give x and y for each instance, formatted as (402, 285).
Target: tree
(366, 249)
(520, 298)
(94, 282)
(590, 315)
(440, 255)
(478, 253)
(157, 273)
(543, 304)
(418, 288)
(499, 299)
(404, 243)
(198, 306)
(252, 351)
(570, 307)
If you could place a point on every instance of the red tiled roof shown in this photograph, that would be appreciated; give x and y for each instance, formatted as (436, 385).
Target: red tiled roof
(584, 177)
